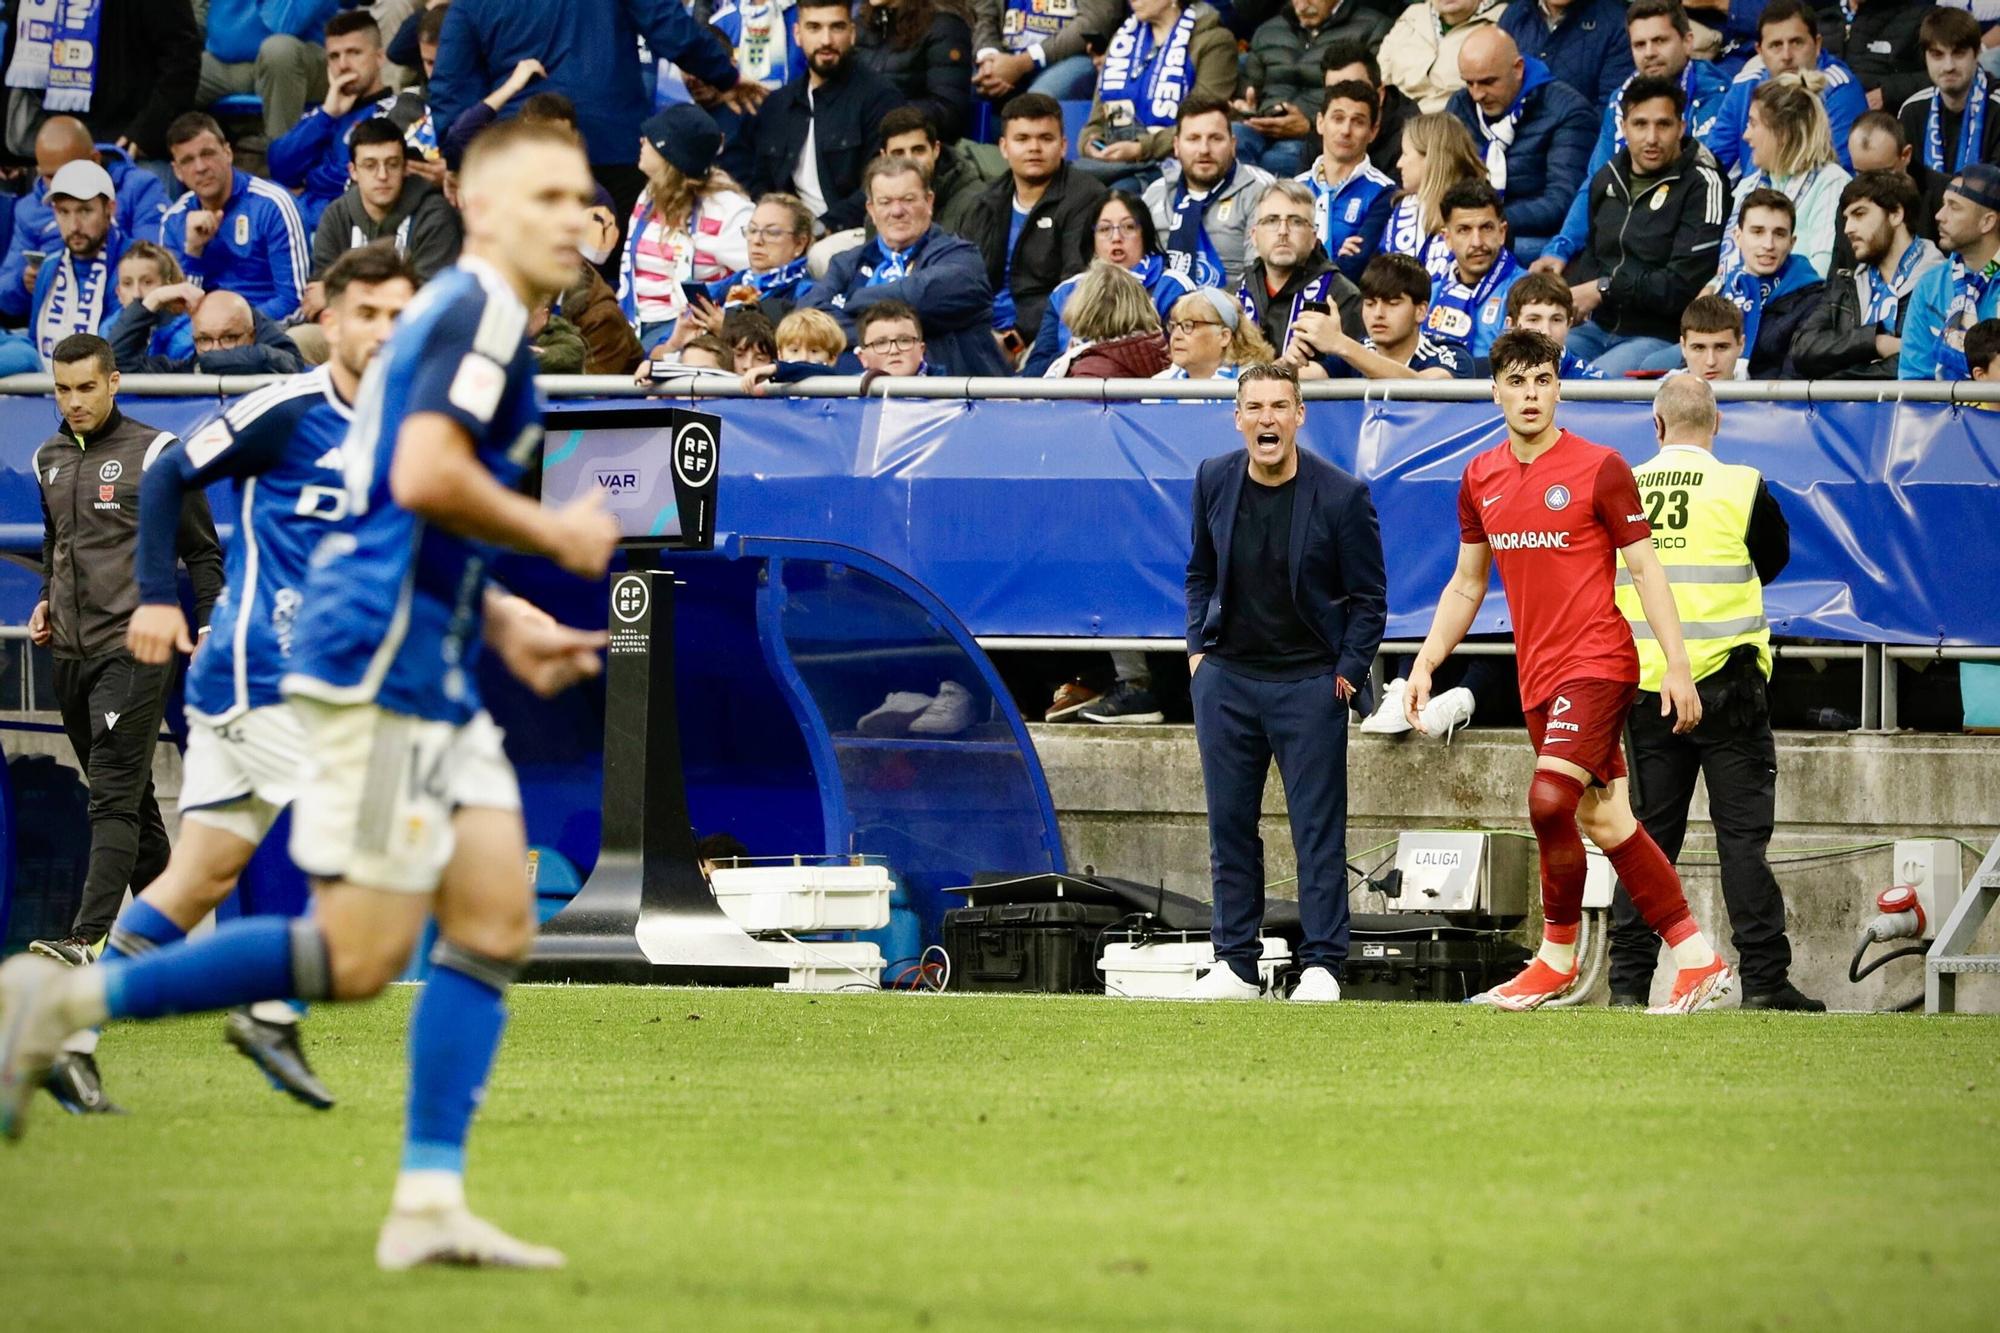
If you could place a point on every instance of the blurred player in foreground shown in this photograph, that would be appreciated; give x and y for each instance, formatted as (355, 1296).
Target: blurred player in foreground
(407, 804)
(1555, 511)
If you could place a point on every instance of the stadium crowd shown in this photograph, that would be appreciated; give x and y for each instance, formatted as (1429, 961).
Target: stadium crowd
(1038, 187)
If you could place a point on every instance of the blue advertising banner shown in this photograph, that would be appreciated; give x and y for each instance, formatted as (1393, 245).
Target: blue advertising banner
(1071, 518)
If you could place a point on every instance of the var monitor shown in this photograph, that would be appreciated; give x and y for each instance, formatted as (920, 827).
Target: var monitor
(657, 467)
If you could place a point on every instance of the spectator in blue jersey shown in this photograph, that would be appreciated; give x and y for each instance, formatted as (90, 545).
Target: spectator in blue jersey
(1770, 282)
(230, 338)
(61, 141)
(1032, 225)
(1292, 275)
(231, 229)
(1960, 293)
(923, 266)
(384, 202)
(1534, 133)
(816, 134)
(1791, 151)
(1353, 197)
(1395, 298)
(759, 33)
(312, 157)
(1204, 200)
(924, 51)
(1541, 303)
(77, 290)
(1118, 231)
(1857, 332)
(267, 47)
(1788, 42)
(590, 49)
(1661, 41)
(1040, 47)
(1469, 304)
(1656, 213)
(1582, 42)
(1164, 54)
(1282, 88)
(1346, 61)
(1957, 120)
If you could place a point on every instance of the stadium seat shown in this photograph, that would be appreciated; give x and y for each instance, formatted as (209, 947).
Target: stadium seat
(1075, 116)
(245, 105)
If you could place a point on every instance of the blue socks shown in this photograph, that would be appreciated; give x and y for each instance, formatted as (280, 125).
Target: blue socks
(140, 929)
(243, 961)
(454, 1034)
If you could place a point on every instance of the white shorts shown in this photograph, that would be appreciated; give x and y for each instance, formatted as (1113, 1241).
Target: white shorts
(379, 789)
(237, 775)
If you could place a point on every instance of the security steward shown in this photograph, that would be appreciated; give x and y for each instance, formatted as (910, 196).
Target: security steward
(1722, 537)
(89, 472)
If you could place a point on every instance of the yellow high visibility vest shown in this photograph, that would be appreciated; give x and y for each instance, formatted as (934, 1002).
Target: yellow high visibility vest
(1700, 511)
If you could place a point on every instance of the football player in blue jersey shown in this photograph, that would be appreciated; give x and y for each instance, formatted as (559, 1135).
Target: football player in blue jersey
(281, 445)
(407, 805)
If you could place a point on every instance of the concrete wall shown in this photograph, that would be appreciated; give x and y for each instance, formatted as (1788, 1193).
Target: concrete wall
(1130, 801)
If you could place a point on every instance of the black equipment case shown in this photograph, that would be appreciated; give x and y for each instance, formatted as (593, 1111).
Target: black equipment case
(1414, 957)
(1044, 946)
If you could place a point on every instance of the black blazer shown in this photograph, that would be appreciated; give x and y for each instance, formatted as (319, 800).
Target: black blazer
(1338, 581)
(843, 118)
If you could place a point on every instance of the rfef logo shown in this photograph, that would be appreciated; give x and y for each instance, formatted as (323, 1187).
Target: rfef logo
(629, 598)
(694, 455)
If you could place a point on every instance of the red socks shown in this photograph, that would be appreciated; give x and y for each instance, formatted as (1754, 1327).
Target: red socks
(1656, 890)
(1552, 801)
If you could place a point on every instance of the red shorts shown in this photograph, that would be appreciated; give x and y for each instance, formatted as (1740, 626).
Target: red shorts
(1584, 723)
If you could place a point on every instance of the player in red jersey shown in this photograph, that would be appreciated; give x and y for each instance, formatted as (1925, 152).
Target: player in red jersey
(1555, 512)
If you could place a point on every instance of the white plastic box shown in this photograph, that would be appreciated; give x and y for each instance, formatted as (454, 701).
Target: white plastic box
(803, 898)
(1164, 968)
(829, 965)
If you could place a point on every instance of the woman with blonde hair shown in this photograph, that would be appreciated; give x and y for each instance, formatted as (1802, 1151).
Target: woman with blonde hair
(1114, 325)
(1791, 151)
(1438, 153)
(688, 227)
(1208, 338)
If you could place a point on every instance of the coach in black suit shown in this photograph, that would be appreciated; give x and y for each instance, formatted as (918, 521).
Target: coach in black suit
(1286, 602)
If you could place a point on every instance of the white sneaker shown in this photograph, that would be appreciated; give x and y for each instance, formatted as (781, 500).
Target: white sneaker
(948, 714)
(1447, 713)
(893, 716)
(31, 1034)
(1220, 982)
(1316, 986)
(1388, 719)
(454, 1236)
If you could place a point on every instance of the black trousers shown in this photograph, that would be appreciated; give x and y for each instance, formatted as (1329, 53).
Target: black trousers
(111, 709)
(1740, 765)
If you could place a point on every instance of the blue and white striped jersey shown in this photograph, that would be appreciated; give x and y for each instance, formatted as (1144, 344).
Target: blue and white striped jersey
(281, 444)
(392, 611)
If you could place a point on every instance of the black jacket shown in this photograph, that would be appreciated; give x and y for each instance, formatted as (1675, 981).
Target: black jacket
(148, 63)
(1771, 358)
(1386, 148)
(1833, 343)
(1339, 583)
(935, 73)
(90, 532)
(1882, 48)
(843, 116)
(1274, 312)
(273, 352)
(1653, 256)
(1049, 249)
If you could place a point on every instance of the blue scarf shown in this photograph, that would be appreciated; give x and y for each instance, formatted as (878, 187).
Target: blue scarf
(1147, 78)
(783, 281)
(1314, 290)
(1189, 250)
(894, 265)
(1457, 311)
(1750, 293)
(55, 50)
(1884, 298)
(1971, 128)
(82, 294)
(1968, 293)
(1026, 24)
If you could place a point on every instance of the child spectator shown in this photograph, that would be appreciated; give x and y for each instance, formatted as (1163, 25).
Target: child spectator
(688, 227)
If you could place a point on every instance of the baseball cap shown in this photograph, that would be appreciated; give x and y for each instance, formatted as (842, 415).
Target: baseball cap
(82, 179)
(1979, 182)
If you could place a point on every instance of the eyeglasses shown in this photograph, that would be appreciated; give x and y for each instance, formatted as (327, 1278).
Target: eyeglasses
(1117, 229)
(768, 233)
(1285, 222)
(902, 343)
(1190, 325)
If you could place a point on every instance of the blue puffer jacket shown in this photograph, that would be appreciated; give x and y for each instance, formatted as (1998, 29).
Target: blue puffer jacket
(1550, 152)
(946, 285)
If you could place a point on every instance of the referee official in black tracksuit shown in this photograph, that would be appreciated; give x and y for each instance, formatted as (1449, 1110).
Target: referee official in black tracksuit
(89, 473)
(1721, 537)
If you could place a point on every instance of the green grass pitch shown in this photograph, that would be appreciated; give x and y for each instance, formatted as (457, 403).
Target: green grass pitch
(724, 1160)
